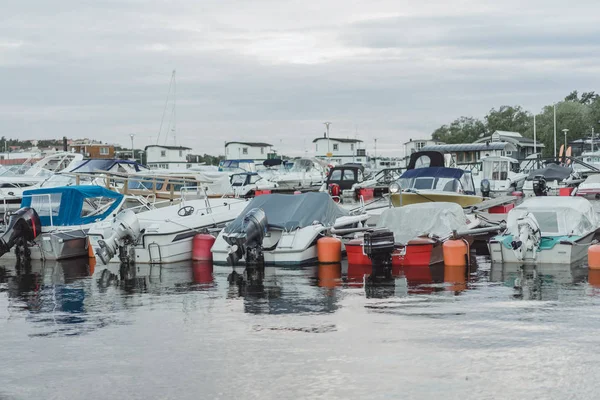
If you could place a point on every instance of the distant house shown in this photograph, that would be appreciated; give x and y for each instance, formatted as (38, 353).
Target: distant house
(168, 157)
(93, 150)
(340, 150)
(257, 151)
(524, 146)
(471, 153)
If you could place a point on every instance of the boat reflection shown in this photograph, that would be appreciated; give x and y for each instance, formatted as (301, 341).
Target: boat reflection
(543, 281)
(277, 290)
(409, 280)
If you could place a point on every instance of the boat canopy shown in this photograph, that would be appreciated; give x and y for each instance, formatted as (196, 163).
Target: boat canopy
(552, 172)
(438, 178)
(72, 205)
(556, 216)
(290, 212)
(111, 165)
(414, 220)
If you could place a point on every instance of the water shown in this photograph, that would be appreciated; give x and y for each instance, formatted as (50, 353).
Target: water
(180, 332)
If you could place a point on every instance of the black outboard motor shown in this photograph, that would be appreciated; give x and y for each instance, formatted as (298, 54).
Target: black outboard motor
(23, 226)
(539, 186)
(248, 242)
(378, 246)
(485, 188)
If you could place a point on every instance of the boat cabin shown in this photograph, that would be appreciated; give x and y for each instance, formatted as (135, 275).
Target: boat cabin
(498, 168)
(345, 176)
(244, 178)
(439, 179)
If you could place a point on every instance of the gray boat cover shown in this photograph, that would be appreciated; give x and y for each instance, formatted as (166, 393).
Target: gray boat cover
(291, 212)
(552, 172)
(414, 220)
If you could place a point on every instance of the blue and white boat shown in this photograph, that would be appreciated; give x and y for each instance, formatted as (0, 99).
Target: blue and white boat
(546, 230)
(67, 212)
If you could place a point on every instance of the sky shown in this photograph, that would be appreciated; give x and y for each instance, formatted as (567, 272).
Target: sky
(275, 70)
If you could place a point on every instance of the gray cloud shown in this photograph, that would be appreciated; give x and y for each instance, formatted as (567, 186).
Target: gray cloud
(273, 71)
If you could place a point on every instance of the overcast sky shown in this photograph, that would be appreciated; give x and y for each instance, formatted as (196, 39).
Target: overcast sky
(275, 70)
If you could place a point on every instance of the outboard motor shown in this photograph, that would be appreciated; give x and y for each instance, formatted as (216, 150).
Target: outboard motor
(485, 188)
(23, 226)
(378, 246)
(248, 242)
(125, 230)
(539, 186)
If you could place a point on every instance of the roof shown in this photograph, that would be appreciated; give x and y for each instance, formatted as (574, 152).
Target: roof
(251, 144)
(509, 133)
(511, 137)
(341, 140)
(451, 148)
(168, 147)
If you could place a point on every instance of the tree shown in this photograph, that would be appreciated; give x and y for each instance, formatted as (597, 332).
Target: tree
(573, 96)
(509, 118)
(573, 116)
(461, 130)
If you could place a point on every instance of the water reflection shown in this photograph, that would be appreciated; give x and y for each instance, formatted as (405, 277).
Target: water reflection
(542, 282)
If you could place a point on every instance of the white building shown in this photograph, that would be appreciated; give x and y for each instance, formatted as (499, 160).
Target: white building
(340, 151)
(256, 151)
(525, 146)
(168, 157)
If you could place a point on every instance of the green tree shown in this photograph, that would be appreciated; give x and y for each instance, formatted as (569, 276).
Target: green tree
(573, 116)
(461, 130)
(509, 118)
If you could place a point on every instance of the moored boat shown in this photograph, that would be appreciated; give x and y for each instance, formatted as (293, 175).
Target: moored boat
(546, 230)
(419, 232)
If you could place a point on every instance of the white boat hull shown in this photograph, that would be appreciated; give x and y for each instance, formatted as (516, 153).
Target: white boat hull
(561, 253)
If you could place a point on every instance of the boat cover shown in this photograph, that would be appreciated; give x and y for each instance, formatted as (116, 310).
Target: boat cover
(65, 204)
(292, 212)
(556, 216)
(552, 172)
(112, 165)
(414, 220)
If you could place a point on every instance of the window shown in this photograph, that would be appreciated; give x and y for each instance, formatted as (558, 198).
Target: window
(336, 175)
(94, 206)
(104, 151)
(244, 150)
(227, 150)
(163, 153)
(420, 145)
(46, 206)
(352, 146)
(335, 147)
(262, 150)
(180, 153)
(348, 175)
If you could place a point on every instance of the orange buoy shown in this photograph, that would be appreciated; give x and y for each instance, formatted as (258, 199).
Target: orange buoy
(91, 258)
(330, 275)
(594, 256)
(201, 245)
(202, 272)
(329, 250)
(455, 253)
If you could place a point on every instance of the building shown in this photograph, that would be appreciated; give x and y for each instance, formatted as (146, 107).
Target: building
(168, 157)
(462, 154)
(524, 146)
(339, 150)
(93, 149)
(257, 151)
(412, 146)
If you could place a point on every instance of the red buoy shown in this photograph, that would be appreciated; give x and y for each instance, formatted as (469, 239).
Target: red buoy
(201, 245)
(335, 190)
(202, 272)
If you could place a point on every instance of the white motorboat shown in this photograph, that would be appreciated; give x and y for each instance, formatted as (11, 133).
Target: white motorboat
(281, 229)
(163, 235)
(590, 188)
(546, 230)
(246, 184)
(502, 176)
(305, 173)
(57, 220)
(549, 180)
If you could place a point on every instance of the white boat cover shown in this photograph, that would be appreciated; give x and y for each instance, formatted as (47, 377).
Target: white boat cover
(414, 220)
(556, 216)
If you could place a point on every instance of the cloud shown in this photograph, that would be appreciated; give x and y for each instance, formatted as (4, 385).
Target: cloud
(274, 71)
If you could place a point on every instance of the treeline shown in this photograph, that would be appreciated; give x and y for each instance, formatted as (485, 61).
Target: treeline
(577, 113)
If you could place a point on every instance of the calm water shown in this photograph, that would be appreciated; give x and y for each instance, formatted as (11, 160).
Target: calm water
(194, 332)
